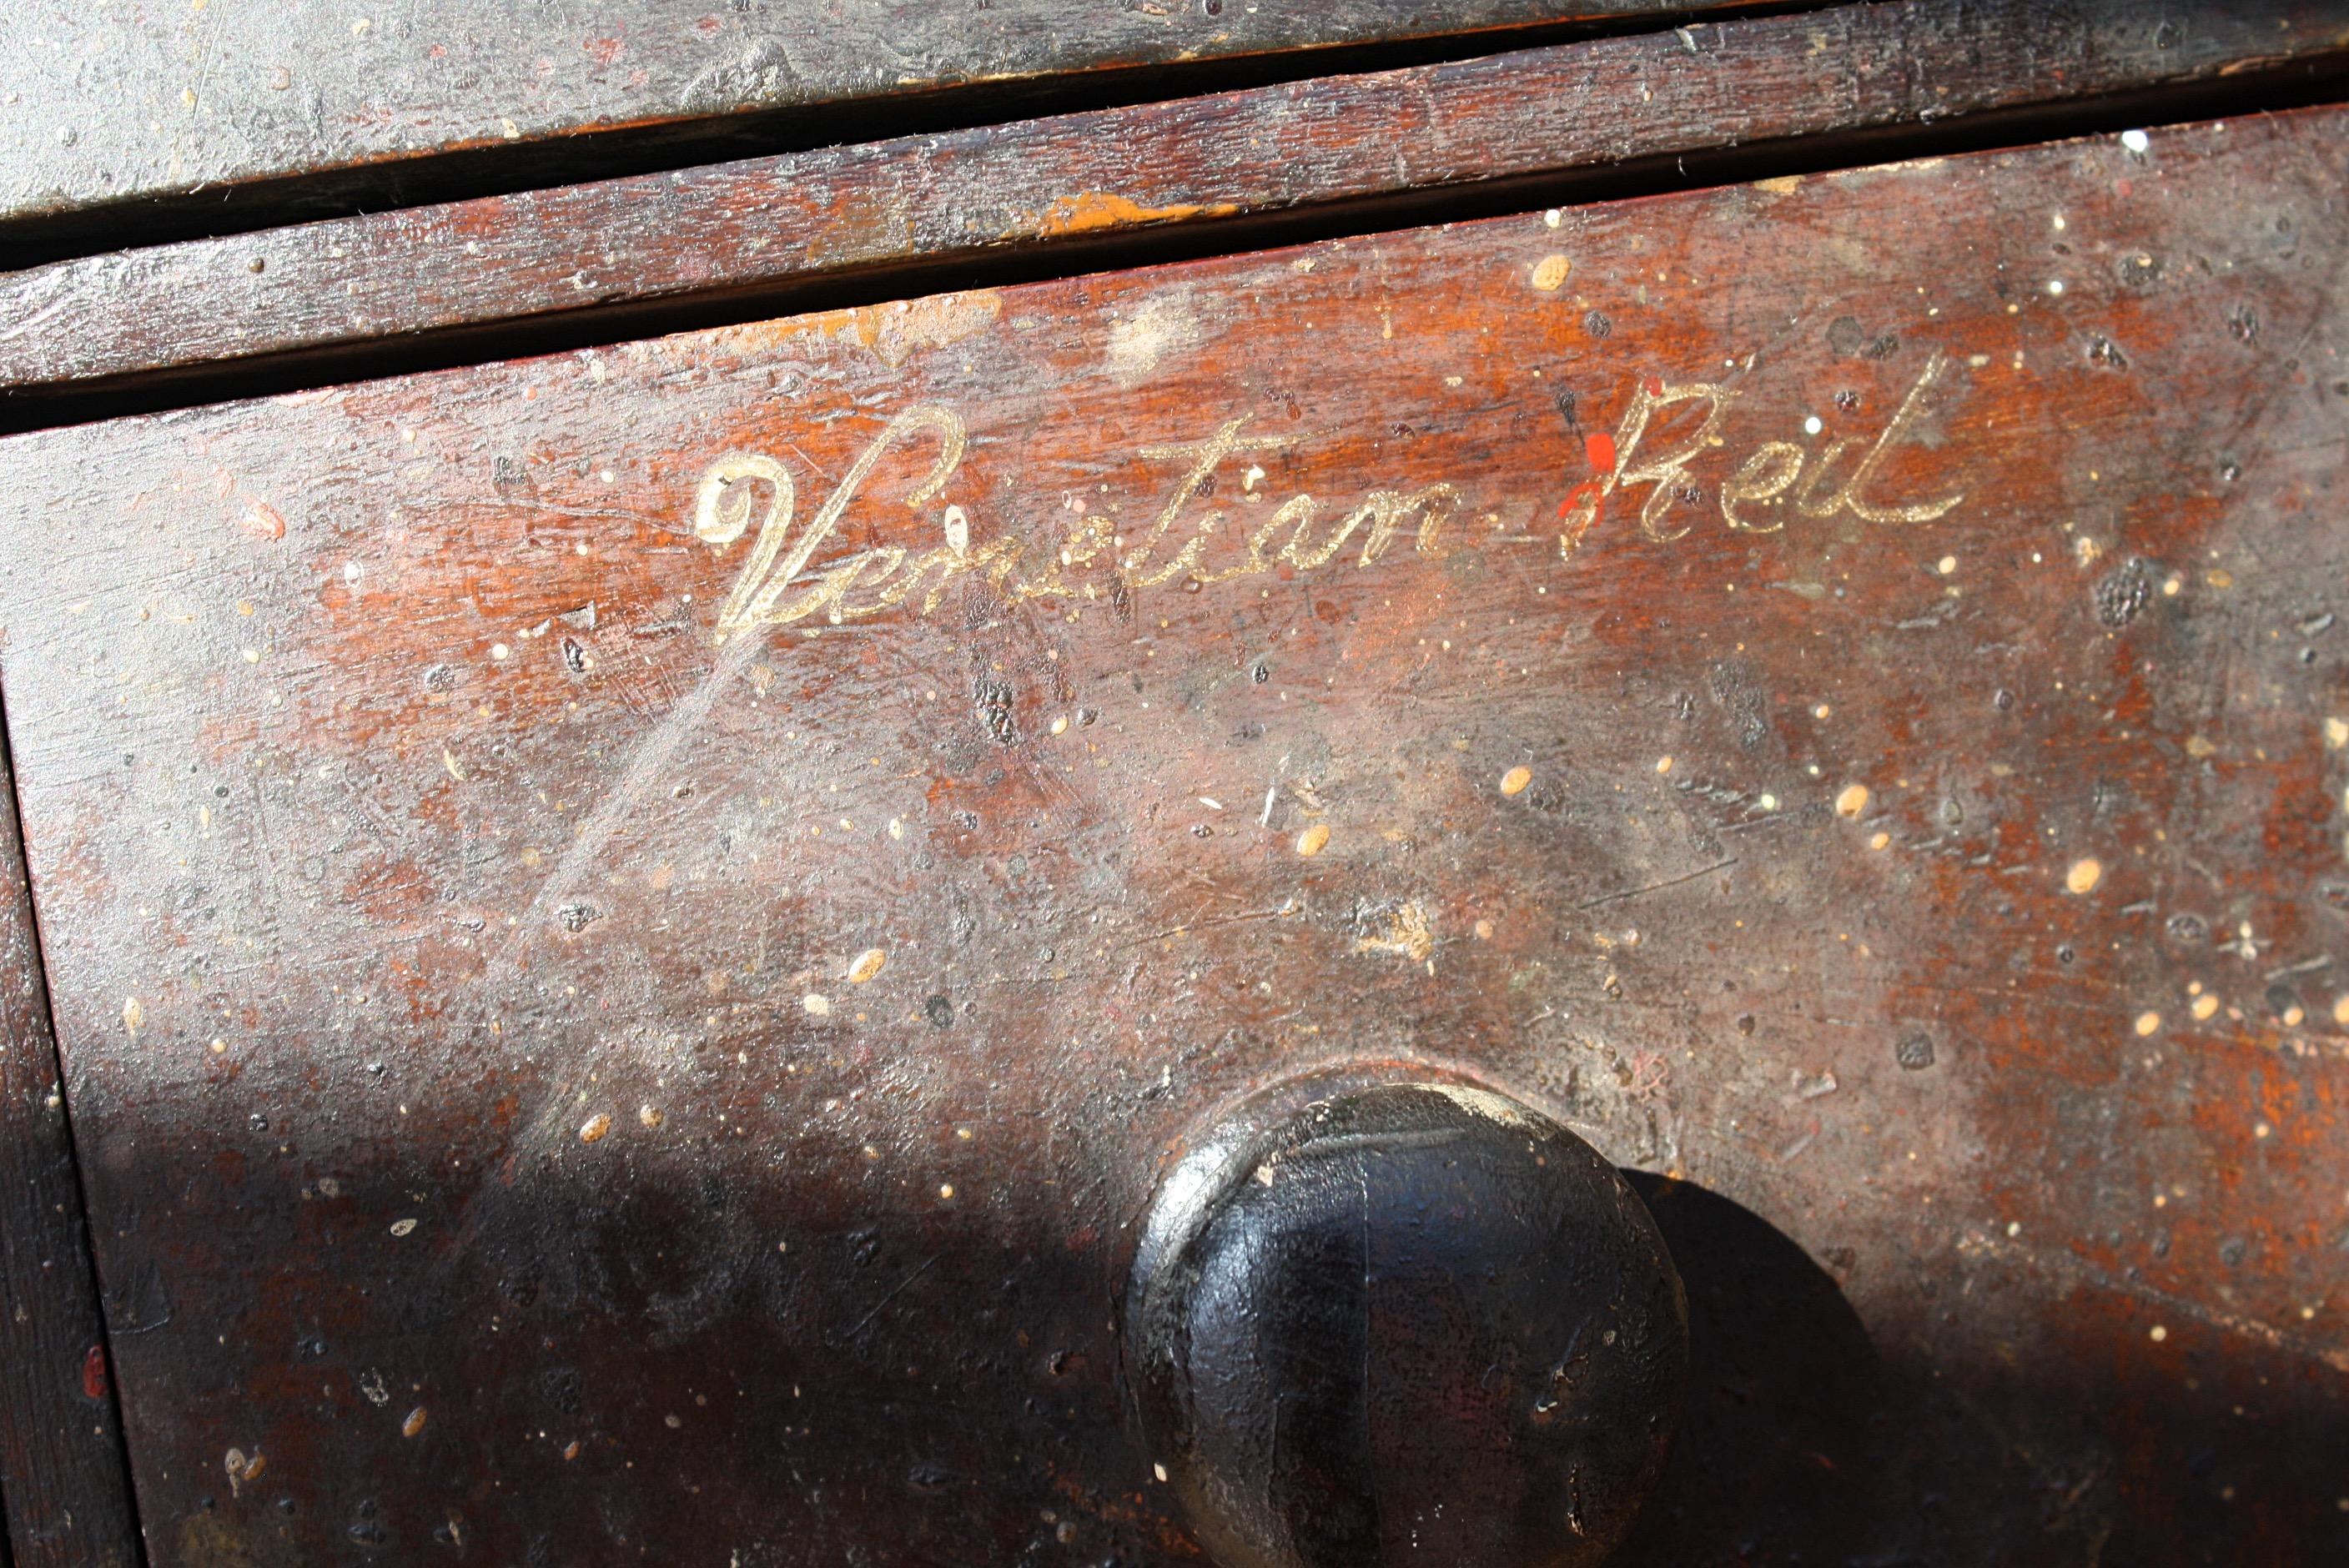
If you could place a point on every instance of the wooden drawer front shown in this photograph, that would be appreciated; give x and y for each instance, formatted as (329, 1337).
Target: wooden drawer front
(630, 929)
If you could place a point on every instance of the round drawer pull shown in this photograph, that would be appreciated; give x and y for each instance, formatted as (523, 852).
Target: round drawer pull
(1377, 1318)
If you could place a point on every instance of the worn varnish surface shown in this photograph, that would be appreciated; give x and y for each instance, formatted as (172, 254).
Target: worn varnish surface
(64, 1497)
(558, 1085)
(109, 111)
(774, 223)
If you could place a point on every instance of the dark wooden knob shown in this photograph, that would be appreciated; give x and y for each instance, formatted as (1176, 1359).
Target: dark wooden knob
(1409, 1321)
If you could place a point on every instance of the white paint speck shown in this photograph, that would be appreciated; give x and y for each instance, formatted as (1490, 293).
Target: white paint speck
(1812, 426)
(2136, 140)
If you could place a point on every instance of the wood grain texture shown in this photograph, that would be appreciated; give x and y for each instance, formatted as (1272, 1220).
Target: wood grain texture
(1830, 688)
(65, 1499)
(765, 225)
(113, 108)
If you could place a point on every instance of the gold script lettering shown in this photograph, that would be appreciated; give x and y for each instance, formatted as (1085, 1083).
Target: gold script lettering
(769, 573)
(1847, 496)
(1768, 474)
(780, 583)
(1649, 399)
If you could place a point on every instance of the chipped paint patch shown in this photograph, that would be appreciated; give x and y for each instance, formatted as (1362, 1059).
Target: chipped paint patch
(1407, 936)
(894, 332)
(1138, 342)
(2084, 874)
(1088, 211)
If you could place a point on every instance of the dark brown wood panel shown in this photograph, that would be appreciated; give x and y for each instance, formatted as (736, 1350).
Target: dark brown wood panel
(632, 930)
(65, 1500)
(115, 109)
(767, 224)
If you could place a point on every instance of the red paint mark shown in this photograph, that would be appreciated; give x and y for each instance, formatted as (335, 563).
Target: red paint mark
(607, 51)
(1594, 490)
(93, 1373)
(1655, 385)
(1599, 447)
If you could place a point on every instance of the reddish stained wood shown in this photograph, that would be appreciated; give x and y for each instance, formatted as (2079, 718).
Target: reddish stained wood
(65, 1499)
(532, 1151)
(769, 224)
(109, 111)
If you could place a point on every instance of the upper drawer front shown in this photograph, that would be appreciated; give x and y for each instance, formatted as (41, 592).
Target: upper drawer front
(138, 119)
(629, 930)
